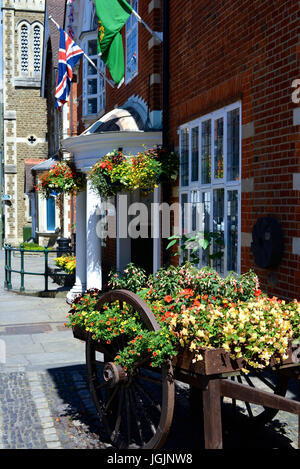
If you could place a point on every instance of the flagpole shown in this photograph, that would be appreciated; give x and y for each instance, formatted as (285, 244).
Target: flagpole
(87, 58)
(156, 34)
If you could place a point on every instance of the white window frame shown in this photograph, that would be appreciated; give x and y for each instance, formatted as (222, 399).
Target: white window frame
(101, 88)
(131, 25)
(215, 183)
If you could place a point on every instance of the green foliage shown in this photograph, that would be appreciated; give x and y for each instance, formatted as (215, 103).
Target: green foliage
(133, 278)
(189, 246)
(33, 246)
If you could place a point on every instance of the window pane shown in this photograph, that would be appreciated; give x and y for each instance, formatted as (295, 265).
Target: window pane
(233, 145)
(219, 128)
(196, 210)
(50, 203)
(131, 49)
(37, 49)
(232, 230)
(92, 86)
(218, 227)
(92, 106)
(90, 69)
(205, 222)
(184, 218)
(92, 47)
(24, 48)
(195, 154)
(206, 152)
(184, 157)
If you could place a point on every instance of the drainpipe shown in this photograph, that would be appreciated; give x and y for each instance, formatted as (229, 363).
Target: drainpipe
(166, 74)
(165, 114)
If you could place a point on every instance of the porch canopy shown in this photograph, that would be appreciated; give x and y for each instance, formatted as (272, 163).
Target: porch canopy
(124, 129)
(119, 128)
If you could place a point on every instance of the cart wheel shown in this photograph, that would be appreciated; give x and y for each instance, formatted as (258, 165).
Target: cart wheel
(136, 409)
(269, 382)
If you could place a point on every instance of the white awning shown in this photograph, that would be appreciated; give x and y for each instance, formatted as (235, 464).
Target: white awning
(118, 129)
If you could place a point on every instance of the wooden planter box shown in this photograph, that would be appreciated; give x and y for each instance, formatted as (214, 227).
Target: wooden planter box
(215, 361)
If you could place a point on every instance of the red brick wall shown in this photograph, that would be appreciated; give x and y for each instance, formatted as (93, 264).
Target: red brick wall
(229, 50)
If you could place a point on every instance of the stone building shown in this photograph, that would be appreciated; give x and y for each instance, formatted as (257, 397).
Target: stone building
(25, 111)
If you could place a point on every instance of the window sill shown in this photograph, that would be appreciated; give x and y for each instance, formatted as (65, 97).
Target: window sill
(28, 82)
(93, 117)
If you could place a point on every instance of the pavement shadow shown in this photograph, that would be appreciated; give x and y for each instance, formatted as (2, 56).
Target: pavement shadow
(74, 404)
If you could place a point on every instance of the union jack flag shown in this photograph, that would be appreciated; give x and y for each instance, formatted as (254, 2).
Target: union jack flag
(69, 54)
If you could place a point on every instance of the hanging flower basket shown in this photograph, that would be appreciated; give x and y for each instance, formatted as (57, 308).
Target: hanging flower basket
(115, 173)
(62, 177)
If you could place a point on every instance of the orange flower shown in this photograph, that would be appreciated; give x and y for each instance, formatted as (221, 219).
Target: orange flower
(168, 298)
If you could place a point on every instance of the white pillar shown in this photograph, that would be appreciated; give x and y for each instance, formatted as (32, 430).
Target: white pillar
(123, 239)
(93, 241)
(80, 284)
(156, 230)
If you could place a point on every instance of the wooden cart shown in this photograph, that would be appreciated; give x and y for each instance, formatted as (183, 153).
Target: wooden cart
(136, 409)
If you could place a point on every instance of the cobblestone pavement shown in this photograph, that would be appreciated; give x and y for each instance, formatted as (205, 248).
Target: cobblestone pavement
(53, 409)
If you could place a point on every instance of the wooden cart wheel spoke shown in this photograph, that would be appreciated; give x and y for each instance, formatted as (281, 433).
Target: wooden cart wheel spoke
(139, 425)
(136, 406)
(143, 412)
(128, 417)
(149, 397)
(276, 384)
(111, 398)
(119, 414)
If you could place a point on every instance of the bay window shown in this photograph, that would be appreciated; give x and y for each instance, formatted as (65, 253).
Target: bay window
(210, 185)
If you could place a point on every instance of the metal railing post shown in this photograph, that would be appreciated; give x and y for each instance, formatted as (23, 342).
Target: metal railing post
(9, 286)
(46, 269)
(22, 268)
(5, 267)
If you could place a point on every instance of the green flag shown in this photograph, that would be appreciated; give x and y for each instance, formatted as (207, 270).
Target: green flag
(112, 15)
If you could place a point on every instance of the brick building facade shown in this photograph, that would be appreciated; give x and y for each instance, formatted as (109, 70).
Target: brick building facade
(228, 112)
(246, 52)
(25, 115)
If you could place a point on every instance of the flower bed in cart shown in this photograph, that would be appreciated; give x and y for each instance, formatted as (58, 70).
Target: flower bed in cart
(198, 311)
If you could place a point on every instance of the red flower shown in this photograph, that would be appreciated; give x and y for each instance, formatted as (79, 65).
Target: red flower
(187, 292)
(168, 299)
